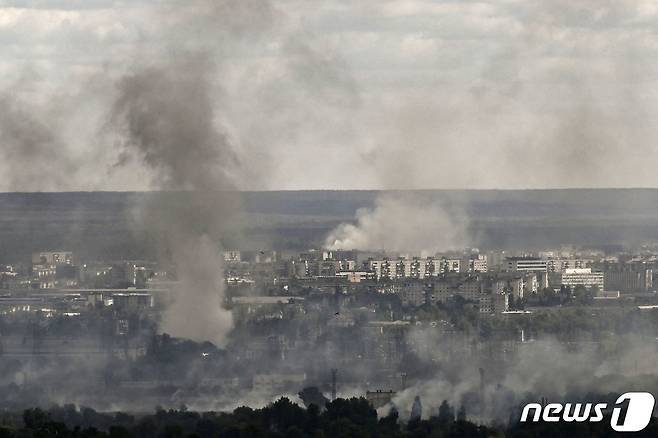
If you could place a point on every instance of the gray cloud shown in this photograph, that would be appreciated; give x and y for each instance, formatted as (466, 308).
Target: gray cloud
(380, 94)
(30, 150)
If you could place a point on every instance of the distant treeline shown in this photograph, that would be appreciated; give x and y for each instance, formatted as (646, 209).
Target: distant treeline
(341, 418)
(103, 225)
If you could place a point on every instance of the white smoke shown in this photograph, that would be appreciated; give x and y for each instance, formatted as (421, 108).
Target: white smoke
(199, 313)
(402, 222)
(544, 368)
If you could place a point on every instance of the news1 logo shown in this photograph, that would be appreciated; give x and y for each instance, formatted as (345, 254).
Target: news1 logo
(639, 411)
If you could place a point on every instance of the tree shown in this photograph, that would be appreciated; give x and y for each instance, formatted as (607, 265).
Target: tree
(582, 295)
(356, 410)
(416, 410)
(35, 418)
(547, 296)
(446, 413)
(461, 414)
(311, 395)
(284, 414)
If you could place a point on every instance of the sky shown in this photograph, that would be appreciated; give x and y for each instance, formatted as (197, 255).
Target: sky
(340, 94)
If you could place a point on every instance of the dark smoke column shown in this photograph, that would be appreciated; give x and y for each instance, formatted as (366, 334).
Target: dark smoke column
(166, 118)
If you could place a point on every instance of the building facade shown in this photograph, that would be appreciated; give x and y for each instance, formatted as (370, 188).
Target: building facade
(582, 277)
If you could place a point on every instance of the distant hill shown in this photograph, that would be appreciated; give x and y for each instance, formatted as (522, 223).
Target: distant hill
(99, 224)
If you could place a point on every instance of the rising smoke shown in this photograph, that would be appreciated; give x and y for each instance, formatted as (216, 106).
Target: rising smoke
(170, 114)
(30, 145)
(167, 114)
(403, 222)
(181, 117)
(493, 382)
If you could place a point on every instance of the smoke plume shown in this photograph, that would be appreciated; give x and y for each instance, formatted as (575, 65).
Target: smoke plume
(402, 222)
(166, 113)
(167, 118)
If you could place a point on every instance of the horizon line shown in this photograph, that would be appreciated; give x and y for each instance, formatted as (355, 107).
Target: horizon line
(543, 189)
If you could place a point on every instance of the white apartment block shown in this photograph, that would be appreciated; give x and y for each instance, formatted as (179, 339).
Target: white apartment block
(526, 264)
(561, 265)
(582, 277)
(413, 268)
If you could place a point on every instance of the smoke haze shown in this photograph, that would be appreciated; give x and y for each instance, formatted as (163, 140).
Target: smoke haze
(523, 94)
(402, 222)
(173, 120)
(209, 97)
(539, 368)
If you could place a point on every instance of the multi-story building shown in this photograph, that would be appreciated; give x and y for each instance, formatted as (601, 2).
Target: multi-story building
(356, 276)
(419, 268)
(445, 289)
(331, 268)
(491, 295)
(450, 265)
(339, 255)
(497, 260)
(561, 264)
(582, 277)
(411, 293)
(52, 258)
(526, 264)
(129, 300)
(232, 256)
(475, 263)
(403, 268)
(381, 268)
(43, 276)
(627, 278)
(493, 303)
(52, 269)
(301, 268)
(425, 267)
(519, 284)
